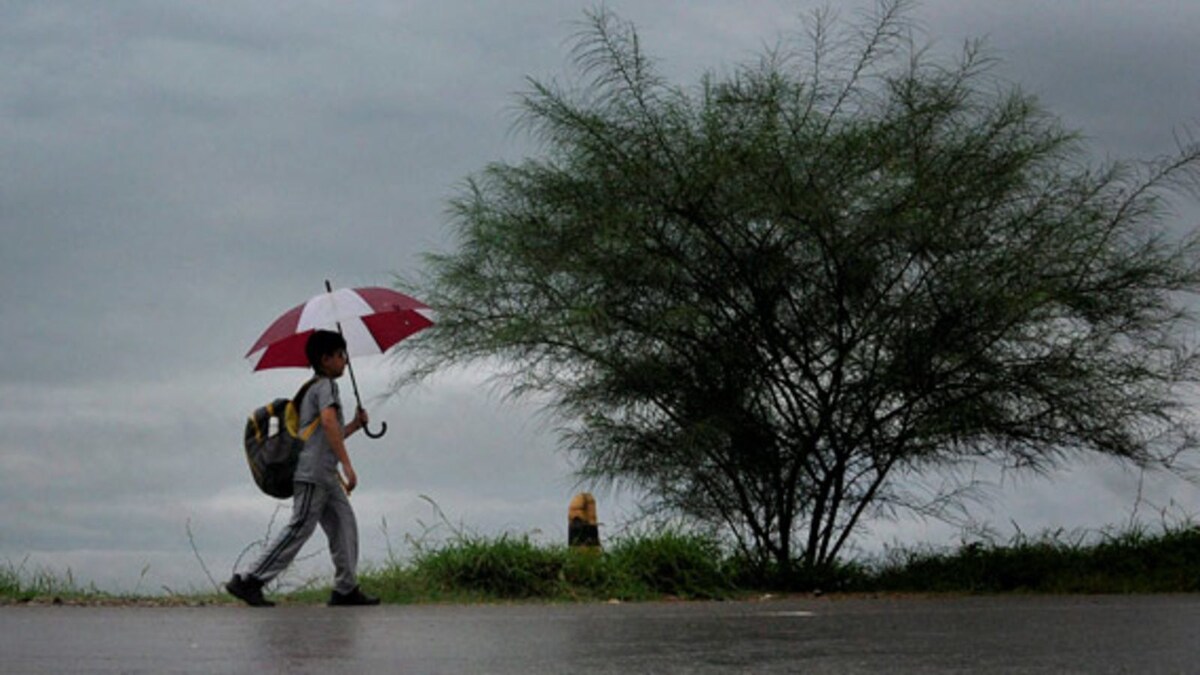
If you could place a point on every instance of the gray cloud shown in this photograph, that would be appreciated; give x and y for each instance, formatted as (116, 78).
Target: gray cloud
(173, 176)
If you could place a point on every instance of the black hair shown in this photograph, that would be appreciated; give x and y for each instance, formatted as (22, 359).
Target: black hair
(323, 343)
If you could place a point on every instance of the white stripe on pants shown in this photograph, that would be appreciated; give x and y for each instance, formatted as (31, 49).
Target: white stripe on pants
(316, 503)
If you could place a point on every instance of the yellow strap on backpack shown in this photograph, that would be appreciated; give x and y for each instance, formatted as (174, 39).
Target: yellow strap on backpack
(310, 429)
(294, 411)
(292, 419)
(292, 415)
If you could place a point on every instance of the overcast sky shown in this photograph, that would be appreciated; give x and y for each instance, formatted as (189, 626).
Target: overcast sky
(175, 175)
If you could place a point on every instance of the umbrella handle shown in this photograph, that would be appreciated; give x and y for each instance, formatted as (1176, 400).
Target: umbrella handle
(375, 434)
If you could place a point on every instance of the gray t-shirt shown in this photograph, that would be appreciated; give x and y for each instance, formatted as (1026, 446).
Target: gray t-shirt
(318, 464)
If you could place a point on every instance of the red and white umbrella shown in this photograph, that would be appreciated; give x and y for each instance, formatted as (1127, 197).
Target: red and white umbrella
(371, 319)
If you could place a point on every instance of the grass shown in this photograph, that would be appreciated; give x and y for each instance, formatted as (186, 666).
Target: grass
(1128, 561)
(473, 568)
(20, 584)
(678, 564)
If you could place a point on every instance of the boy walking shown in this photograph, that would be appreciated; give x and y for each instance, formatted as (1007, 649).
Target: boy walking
(320, 497)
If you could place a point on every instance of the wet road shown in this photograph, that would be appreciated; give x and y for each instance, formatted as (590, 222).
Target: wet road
(1109, 634)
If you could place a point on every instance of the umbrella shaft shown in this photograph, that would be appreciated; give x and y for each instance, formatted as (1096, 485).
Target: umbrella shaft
(353, 382)
(349, 364)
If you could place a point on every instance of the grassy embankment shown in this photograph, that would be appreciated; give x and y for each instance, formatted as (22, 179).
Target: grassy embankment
(677, 565)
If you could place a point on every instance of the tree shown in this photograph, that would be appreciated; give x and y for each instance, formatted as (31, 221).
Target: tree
(769, 300)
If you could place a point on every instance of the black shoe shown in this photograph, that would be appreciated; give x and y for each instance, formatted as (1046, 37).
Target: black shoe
(355, 598)
(248, 590)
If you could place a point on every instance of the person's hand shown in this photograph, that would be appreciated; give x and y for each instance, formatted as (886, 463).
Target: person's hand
(362, 418)
(350, 480)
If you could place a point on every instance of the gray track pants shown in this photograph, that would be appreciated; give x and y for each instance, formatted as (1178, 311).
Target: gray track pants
(316, 503)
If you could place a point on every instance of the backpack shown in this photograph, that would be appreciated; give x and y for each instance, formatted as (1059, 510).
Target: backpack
(274, 441)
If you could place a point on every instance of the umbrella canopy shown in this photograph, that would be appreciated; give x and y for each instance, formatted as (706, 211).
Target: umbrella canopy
(371, 319)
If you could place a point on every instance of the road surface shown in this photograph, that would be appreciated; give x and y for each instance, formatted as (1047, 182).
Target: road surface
(1009, 634)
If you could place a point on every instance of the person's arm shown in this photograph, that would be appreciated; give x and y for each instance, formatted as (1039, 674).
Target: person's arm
(337, 441)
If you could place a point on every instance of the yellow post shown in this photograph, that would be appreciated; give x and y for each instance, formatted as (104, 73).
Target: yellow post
(582, 528)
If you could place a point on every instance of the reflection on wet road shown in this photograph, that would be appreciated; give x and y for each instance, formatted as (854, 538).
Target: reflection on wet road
(826, 635)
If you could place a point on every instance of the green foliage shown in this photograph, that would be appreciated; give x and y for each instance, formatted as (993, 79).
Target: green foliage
(838, 576)
(1130, 561)
(678, 564)
(19, 584)
(591, 574)
(672, 563)
(504, 567)
(636, 567)
(767, 299)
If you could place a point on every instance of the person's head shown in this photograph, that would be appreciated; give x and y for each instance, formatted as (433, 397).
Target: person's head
(326, 352)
